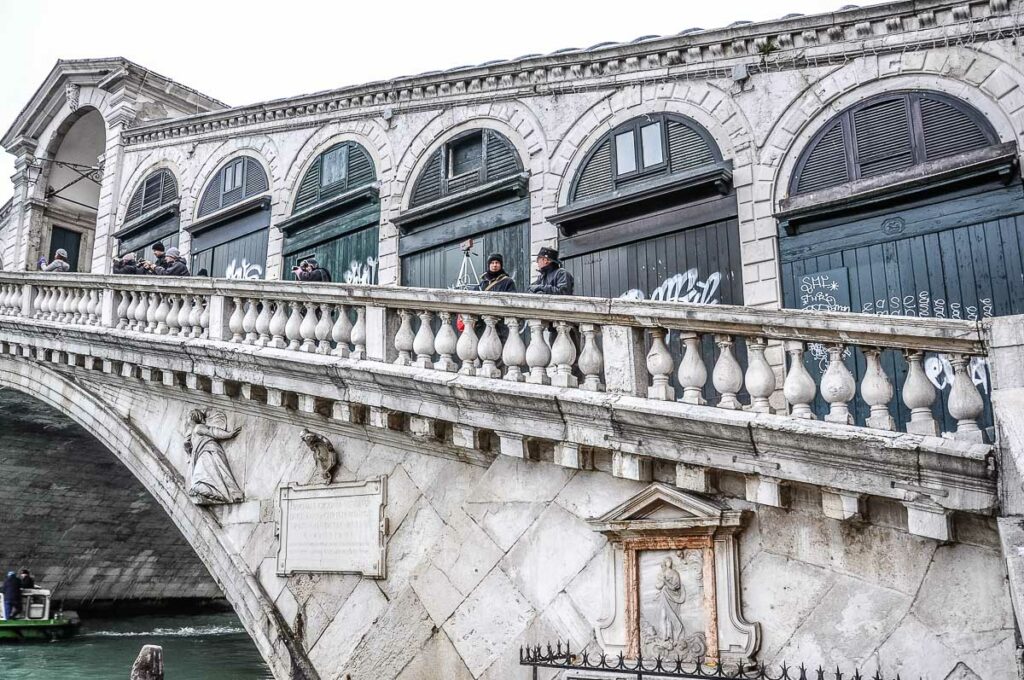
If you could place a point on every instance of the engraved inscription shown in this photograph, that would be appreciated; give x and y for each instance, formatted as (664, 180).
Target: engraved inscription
(337, 528)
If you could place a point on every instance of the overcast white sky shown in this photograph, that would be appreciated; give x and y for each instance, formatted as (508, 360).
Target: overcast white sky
(248, 52)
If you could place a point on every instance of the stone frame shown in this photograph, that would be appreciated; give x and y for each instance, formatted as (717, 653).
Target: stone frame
(701, 523)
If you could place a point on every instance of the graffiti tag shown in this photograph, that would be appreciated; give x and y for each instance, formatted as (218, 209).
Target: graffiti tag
(243, 271)
(362, 272)
(685, 287)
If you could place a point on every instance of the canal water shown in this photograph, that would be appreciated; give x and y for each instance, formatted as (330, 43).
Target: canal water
(201, 647)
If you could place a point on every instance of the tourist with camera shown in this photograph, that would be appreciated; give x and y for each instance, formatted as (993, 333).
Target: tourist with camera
(310, 270)
(174, 265)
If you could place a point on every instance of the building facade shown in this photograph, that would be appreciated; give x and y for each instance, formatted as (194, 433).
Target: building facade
(863, 161)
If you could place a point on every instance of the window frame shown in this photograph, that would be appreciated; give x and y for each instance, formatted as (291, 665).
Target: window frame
(230, 170)
(449, 156)
(343, 150)
(636, 126)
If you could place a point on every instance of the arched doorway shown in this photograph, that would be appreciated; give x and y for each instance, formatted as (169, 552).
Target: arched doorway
(71, 174)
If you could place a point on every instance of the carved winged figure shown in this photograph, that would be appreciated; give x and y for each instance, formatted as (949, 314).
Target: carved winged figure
(324, 453)
(210, 478)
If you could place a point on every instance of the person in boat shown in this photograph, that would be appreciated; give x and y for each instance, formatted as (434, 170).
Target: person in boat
(27, 582)
(12, 595)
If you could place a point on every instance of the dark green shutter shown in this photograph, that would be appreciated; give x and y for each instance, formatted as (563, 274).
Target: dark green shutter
(309, 189)
(428, 184)
(827, 164)
(883, 137)
(255, 179)
(502, 160)
(360, 167)
(359, 172)
(158, 189)
(687, 148)
(948, 130)
(596, 177)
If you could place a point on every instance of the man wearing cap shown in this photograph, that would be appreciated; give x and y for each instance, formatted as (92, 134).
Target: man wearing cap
(159, 258)
(127, 266)
(175, 265)
(310, 270)
(495, 279)
(552, 280)
(59, 264)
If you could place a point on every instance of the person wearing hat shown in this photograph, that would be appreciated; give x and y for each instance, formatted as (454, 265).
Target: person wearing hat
(552, 279)
(159, 258)
(310, 270)
(12, 595)
(127, 265)
(495, 279)
(175, 265)
(59, 264)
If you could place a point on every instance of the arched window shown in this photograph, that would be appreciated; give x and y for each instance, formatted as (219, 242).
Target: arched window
(152, 216)
(158, 189)
(336, 215)
(888, 133)
(229, 236)
(481, 178)
(466, 161)
(644, 148)
(240, 179)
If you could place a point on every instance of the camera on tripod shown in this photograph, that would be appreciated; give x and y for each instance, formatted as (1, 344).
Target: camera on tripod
(467, 279)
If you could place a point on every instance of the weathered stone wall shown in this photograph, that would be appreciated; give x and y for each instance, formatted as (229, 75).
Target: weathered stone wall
(74, 515)
(492, 553)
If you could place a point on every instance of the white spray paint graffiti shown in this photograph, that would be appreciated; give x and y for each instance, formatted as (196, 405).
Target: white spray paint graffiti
(685, 287)
(359, 272)
(243, 271)
(940, 371)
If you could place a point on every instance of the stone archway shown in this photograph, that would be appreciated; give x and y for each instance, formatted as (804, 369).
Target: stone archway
(147, 463)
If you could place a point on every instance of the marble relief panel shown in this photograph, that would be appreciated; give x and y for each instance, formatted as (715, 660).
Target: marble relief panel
(673, 618)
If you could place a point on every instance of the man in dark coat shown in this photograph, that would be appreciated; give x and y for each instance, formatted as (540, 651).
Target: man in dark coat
(310, 270)
(495, 279)
(552, 280)
(159, 258)
(175, 265)
(27, 582)
(127, 266)
(12, 595)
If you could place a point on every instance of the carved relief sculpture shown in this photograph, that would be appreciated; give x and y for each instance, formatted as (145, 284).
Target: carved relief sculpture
(210, 479)
(324, 453)
(673, 580)
(71, 92)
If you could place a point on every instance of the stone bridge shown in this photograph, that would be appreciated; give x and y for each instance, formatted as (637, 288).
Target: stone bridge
(523, 462)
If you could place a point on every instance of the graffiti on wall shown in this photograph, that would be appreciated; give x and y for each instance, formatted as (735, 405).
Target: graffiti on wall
(362, 272)
(686, 287)
(245, 270)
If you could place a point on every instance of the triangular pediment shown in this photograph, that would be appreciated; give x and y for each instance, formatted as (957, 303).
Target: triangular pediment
(660, 508)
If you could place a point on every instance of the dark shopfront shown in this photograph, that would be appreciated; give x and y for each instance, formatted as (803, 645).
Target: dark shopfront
(153, 215)
(906, 205)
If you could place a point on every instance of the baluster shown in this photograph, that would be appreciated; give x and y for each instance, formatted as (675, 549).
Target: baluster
(151, 312)
(359, 335)
(67, 301)
(799, 388)
(838, 387)
(57, 306)
(692, 373)
(278, 322)
(322, 330)
(46, 303)
(467, 345)
(201, 314)
(489, 349)
(563, 356)
(94, 307)
(445, 344)
(307, 329)
(160, 315)
(140, 312)
(964, 403)
(16, 307)
(249, 322)
(74, 305)
(292, 329)
(659, 365)
(404, 338)
(727, 377)
(759, 378)
(591, 362)
(5, 295)
(876, 390)
(82, 316)
(423, 342)
(127, 318)
(263, 324)
(235, 322)
(513, 354)
(538, 354)
(185, 317)
(173, 326)
(39, 303)
(341, 332)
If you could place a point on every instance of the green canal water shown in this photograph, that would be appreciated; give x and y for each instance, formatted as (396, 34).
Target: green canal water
(201, 647)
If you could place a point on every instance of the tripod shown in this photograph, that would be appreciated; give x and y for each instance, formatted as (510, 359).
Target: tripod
(466, 271)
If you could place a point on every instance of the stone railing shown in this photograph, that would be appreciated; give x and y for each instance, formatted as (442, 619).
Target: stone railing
(590, 344)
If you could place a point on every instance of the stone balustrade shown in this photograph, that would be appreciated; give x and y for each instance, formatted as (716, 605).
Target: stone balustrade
(588, 344)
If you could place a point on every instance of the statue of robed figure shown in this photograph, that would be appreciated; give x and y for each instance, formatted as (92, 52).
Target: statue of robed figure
(210, 478)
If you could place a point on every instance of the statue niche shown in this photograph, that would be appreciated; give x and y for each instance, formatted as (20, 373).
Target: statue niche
(324, 453)
(210, 479)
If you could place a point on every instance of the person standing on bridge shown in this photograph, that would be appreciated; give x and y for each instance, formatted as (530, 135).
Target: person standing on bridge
(496, 279)
(59, 264)
(127, 266)
(552, 279)
(174, 265)
(310, 270)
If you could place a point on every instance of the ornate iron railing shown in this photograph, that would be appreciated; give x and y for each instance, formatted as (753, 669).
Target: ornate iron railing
(561, 657)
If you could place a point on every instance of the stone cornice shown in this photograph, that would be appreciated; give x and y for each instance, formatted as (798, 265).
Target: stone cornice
(788, 43)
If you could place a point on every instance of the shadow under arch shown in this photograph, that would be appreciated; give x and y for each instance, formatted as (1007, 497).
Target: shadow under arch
(278, 647)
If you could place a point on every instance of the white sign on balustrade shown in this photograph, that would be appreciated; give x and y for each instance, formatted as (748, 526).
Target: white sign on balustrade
(335, 528)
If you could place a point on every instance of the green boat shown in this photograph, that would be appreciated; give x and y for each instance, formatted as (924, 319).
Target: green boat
(36, 622)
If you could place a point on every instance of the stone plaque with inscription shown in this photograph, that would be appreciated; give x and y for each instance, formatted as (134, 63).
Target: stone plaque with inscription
(337, 528)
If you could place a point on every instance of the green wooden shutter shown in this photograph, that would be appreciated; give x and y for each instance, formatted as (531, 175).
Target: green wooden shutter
(158, 189)
(360, 167)
(309, 188)
(428, 185)
(255, 181)
(827, 165)
(502, 160)
(596, 176)
(687, 148)
(211, 197)
(948, 130)
(882, 133)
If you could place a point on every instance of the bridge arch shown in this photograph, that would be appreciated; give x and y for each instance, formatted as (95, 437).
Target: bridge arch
(164, 483)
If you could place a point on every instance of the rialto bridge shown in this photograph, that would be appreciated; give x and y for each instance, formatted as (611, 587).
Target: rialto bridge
(380, 494)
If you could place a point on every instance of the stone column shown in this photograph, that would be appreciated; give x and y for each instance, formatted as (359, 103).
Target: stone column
(18, 244)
